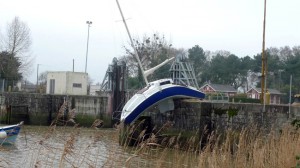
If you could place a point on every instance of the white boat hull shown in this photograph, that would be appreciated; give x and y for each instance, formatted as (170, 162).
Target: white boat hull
(154, 94)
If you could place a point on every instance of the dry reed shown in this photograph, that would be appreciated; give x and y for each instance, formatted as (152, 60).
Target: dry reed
(250, 147)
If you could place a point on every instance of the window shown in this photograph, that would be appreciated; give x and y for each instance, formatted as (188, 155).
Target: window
(77, 85)
(164, 83)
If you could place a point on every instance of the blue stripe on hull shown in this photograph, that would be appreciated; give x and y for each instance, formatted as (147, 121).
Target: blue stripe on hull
(12, 134)
(164, 94)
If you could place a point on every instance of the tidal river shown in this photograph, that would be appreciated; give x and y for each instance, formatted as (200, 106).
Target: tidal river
(39, 146)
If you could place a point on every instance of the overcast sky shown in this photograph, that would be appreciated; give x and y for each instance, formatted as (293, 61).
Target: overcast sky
(59, 29)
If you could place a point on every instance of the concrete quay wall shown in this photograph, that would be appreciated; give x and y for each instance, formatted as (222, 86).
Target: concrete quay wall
(195, 115)
(42, 109)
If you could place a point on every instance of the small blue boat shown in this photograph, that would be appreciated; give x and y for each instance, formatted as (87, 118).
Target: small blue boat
(9, 133)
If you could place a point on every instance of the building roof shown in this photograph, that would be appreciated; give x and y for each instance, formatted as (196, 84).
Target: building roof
(220, 88)
(272, 91)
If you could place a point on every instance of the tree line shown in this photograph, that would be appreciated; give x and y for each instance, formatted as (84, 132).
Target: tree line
(219, 67)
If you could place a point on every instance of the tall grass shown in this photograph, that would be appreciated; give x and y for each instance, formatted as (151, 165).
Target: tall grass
(250, 147)
(253, 148)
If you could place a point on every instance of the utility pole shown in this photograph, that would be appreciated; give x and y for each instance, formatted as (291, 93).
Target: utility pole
(37, 77)
(263, 60)
(73, 65)
(290, 96)
(87, 45)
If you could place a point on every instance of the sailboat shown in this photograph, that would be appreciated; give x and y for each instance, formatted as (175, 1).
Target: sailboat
(160, 92)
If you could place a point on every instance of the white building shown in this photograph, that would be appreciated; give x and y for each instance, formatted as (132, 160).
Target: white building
(94, 89)
(69, 83)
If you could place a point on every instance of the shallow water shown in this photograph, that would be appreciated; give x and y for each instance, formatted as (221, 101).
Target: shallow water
(39, 146)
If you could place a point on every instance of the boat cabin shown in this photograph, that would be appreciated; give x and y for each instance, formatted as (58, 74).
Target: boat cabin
(161, 82)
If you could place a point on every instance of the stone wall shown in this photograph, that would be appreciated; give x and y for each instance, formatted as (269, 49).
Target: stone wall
(41, 109)
(195, 115)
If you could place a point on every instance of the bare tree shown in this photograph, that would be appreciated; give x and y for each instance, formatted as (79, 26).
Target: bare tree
(1, 40)
(151, 51)
(17, 42)
(221, 52)
(43, 78)
(296, 50)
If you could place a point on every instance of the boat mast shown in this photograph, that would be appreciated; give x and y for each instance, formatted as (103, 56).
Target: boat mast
(132, 45)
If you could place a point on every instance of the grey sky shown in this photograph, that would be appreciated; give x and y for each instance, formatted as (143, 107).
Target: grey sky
(59, 29)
